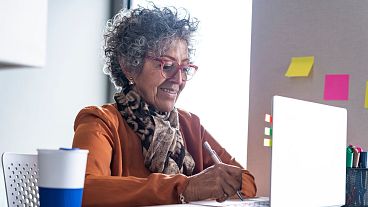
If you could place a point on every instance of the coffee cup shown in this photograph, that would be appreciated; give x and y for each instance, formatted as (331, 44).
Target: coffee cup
(61, 176)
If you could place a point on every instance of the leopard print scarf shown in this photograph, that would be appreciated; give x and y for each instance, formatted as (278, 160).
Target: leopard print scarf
(162, 143)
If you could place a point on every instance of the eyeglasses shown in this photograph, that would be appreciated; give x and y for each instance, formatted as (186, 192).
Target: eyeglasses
(169, 68)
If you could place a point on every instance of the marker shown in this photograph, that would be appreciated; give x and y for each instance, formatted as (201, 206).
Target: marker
(349, 156)
(217, 160)
(356, 155)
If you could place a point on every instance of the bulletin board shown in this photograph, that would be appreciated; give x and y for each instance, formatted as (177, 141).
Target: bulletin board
(335, 33)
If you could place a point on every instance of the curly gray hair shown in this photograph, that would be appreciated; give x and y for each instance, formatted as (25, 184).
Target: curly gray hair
(132, 34)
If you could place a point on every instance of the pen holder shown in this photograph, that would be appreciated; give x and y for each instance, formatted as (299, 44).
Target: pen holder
(356, 187)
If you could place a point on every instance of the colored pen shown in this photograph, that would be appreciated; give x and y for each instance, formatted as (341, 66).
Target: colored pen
(217, 160)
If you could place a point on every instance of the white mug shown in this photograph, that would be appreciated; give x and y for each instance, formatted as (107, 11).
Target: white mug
(61, 176)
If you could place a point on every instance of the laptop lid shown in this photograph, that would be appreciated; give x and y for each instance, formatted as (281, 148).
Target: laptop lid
(308, 154)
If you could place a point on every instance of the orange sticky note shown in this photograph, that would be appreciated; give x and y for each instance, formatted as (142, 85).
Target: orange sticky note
(300, 66)
(267, 142)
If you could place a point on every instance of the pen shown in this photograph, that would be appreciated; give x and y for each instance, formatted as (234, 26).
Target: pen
(217, 160)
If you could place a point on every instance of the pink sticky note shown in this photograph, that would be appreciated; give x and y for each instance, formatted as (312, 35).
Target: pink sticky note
(336, 87)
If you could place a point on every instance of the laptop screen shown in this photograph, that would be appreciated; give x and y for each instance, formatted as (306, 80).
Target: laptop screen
(308, 154)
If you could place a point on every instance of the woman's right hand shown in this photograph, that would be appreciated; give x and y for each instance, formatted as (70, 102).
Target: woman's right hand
(218, 182)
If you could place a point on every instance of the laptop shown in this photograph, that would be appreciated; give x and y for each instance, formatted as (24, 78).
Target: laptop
(308, 163)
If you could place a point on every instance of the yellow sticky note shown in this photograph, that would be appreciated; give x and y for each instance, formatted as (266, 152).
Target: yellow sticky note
(300, 66)
(267, 142)
(366, 96)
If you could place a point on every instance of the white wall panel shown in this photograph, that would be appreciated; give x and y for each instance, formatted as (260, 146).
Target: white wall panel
(23, 32)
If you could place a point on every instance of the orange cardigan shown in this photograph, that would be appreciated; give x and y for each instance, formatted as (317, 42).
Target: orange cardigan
(116, 175)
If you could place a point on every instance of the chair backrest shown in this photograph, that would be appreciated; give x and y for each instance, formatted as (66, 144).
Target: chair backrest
(21, 179)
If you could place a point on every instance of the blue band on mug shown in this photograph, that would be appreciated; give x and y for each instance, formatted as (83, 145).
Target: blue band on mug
(54, 197)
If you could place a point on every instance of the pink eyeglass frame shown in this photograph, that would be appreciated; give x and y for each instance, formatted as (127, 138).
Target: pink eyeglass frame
(179, 67)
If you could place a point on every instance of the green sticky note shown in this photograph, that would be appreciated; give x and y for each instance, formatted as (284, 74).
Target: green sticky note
(300, 66)
(268, 131)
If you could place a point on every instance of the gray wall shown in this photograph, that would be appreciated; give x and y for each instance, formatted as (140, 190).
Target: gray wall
(38, 105)
(336, 33)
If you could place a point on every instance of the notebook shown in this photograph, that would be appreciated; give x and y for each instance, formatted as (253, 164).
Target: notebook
(308, 161)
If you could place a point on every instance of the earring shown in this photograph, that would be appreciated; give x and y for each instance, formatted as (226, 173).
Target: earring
(130, 81)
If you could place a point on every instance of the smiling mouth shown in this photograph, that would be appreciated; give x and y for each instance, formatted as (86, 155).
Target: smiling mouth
(170, 91)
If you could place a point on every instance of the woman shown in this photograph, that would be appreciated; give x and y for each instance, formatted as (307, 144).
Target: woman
(143, 150)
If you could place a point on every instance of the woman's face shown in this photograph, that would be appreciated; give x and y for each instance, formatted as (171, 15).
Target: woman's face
(157, 90)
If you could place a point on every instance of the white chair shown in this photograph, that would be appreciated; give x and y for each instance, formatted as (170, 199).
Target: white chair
(21, 177)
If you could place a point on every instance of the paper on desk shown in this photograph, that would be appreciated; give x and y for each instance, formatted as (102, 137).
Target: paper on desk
(247, 202)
